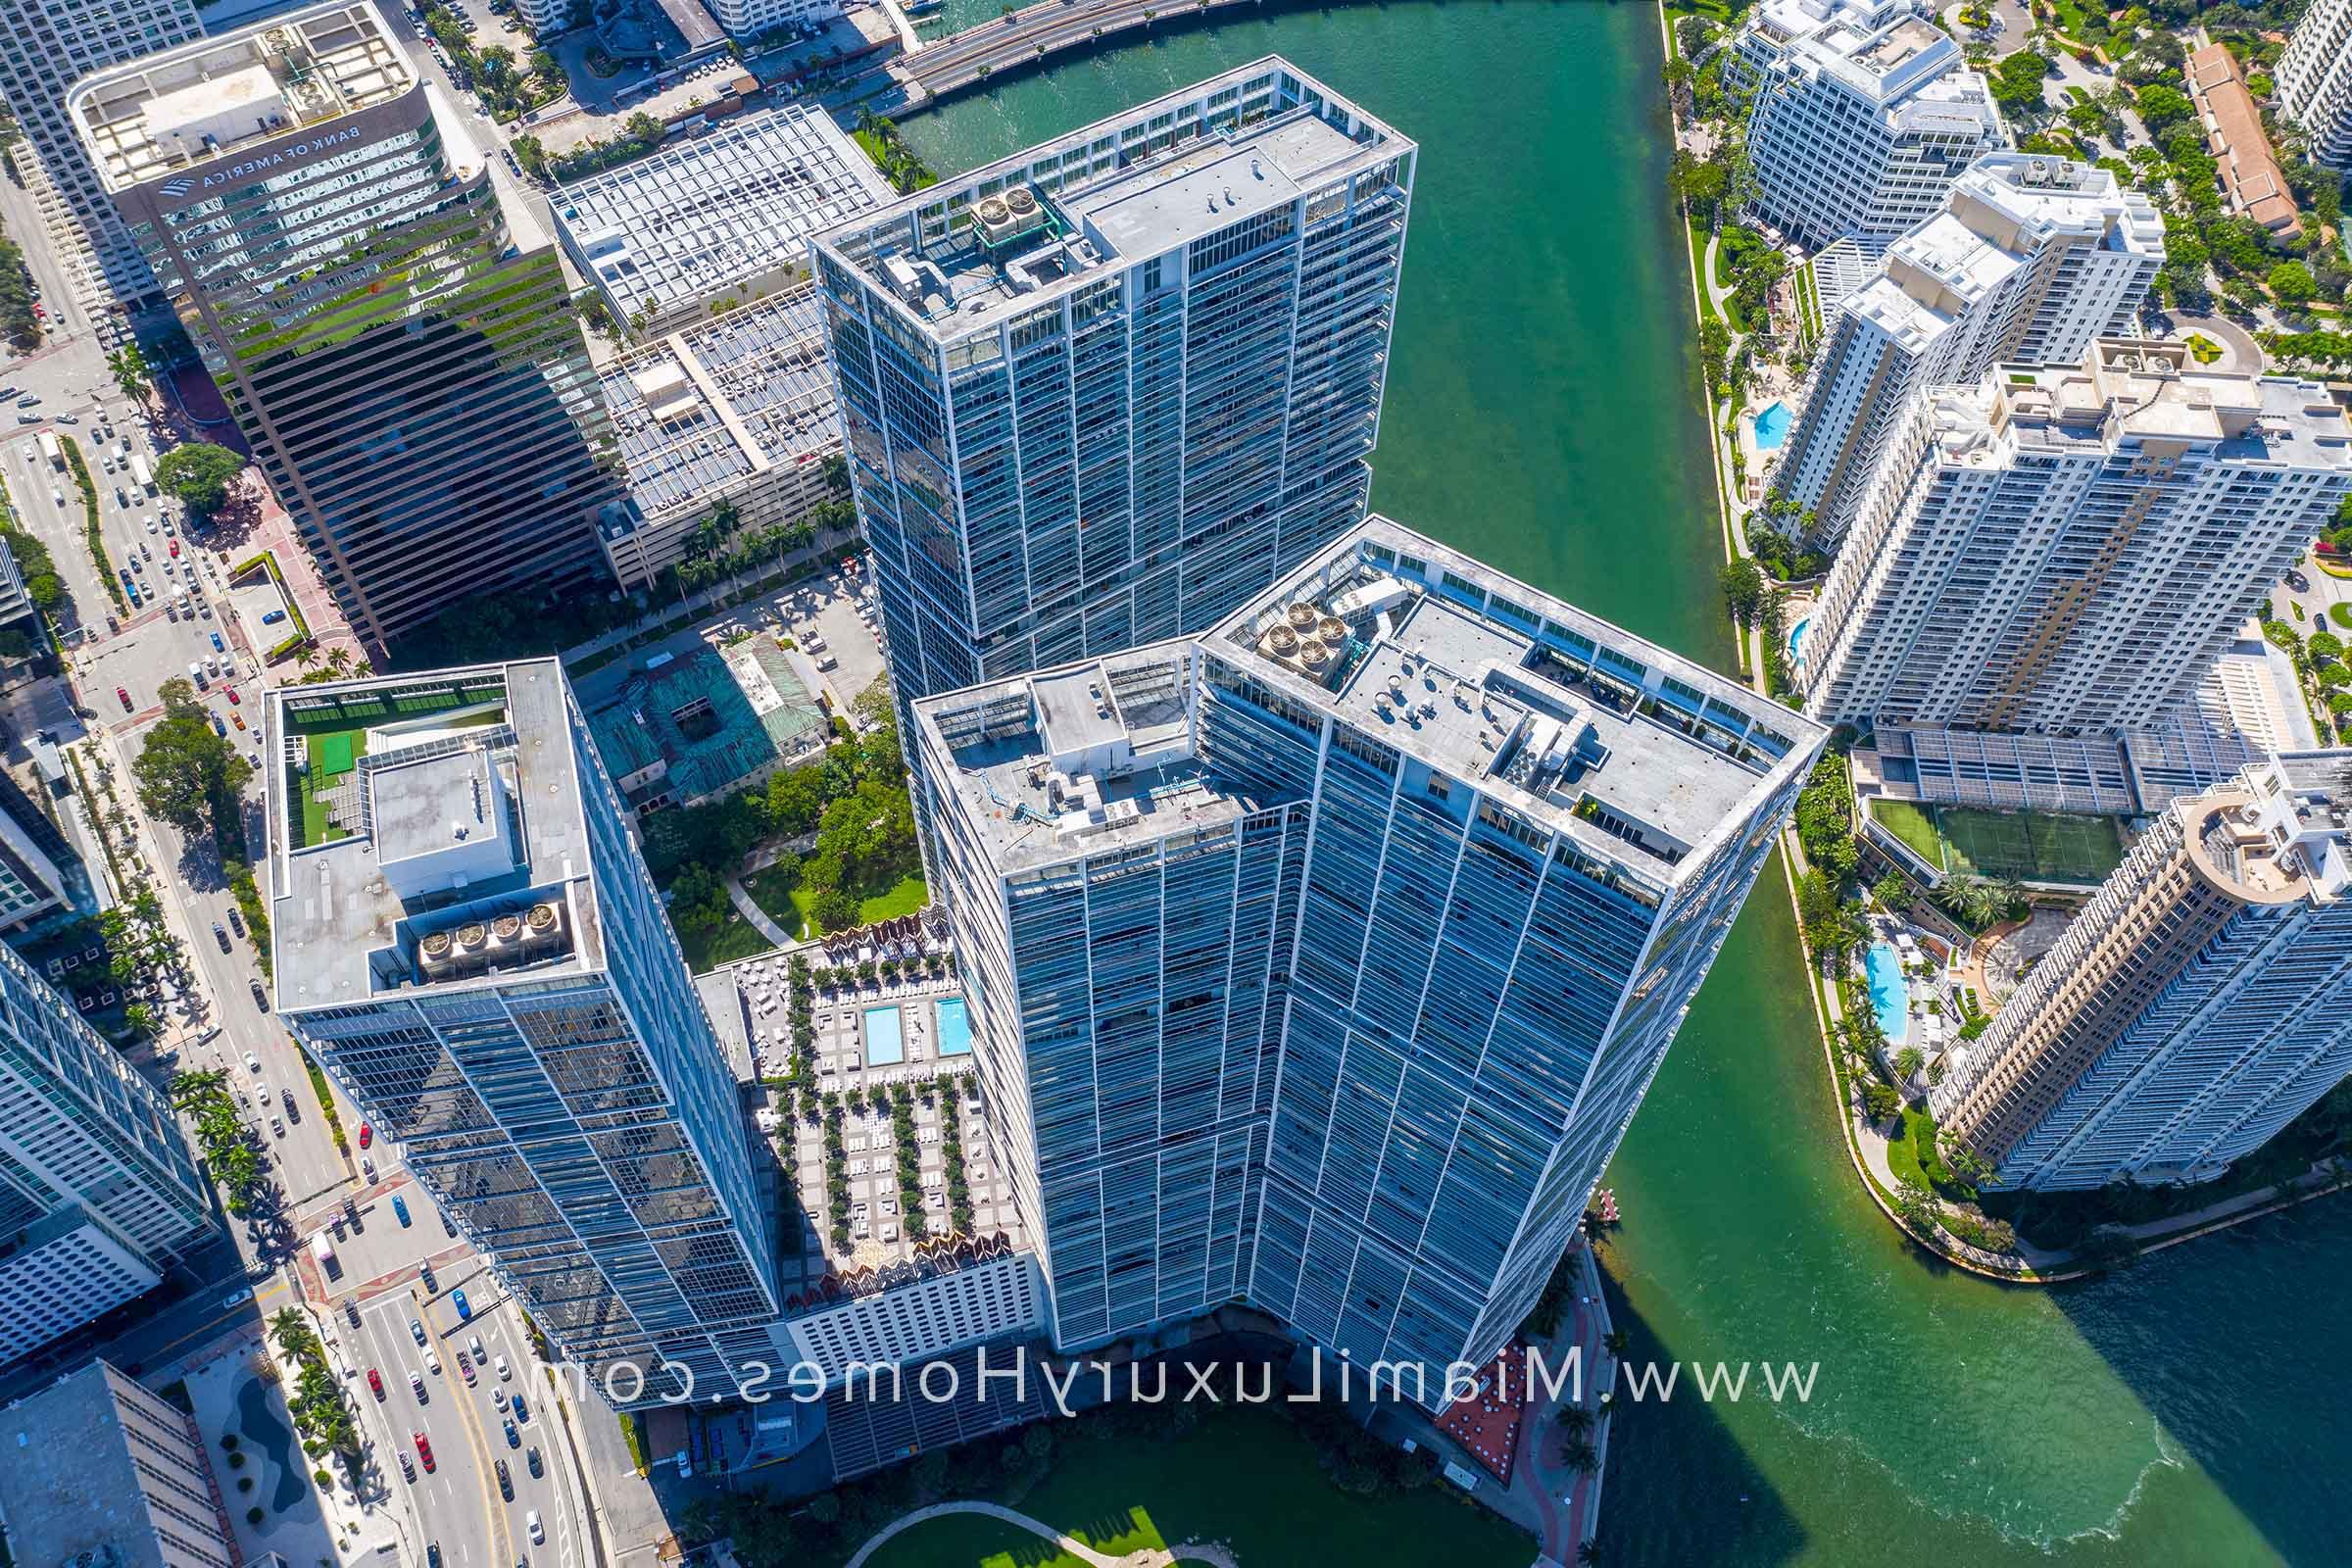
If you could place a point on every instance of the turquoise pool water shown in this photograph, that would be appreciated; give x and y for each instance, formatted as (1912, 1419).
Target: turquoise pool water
(1772, 427)
(1796, 641)
(955, 1028)
(1889, 992)
(883, 1047)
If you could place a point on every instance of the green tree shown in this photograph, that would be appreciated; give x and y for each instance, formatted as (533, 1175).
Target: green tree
(2163, 106)
(131, 373)
(2292, 284)
(1908, 1061)
(1890, 892)
(1743, 582)
(182, 767)
(199, 474)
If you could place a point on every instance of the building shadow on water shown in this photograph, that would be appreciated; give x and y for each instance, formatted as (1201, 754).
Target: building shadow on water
(1679, 1491)
(2235, 1342)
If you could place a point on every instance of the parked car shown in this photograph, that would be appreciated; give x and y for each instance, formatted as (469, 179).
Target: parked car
(417, 1387)
(530, 1459)
(375, 1383)
(218, 647)
(273, 618)
(236, 923)
(221, 935)
(523, 1411)
(505, 1482)
(261, 998)
(464, 1309)
(512, 1441)
(417, 1329)
(400, 1209)
(367, 1130)
(123, 693)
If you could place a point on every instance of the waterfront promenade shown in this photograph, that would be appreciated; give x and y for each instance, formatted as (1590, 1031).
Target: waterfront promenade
(976, 54)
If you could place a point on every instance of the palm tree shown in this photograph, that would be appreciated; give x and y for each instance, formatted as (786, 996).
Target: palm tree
(1573, 1420)
(2011, 892)
(1615, 1342)
(1579, 1454)
(1908, 1061)
(1589, 1552)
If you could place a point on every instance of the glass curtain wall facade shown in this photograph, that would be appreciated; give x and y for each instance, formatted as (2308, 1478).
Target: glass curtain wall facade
(575, 1116)
(78, 1126)
(402, 356)
(1286, 992)
(1078, 424)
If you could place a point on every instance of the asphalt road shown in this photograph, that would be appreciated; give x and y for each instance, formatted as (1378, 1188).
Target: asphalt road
(459, 1505)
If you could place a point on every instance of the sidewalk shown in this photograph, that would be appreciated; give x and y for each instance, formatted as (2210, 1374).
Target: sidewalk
(749, 908)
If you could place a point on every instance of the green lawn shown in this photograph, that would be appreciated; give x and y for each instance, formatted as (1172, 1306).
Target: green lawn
(314, 828)
(2341, 613)
(1912, 825)
(1243, 1477)
(2036, 845)
(779, 891)
(1903, 1154)
(737, 939)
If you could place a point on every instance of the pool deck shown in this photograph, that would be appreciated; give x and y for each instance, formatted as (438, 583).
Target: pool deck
(885, 1041)
(1881, 1001)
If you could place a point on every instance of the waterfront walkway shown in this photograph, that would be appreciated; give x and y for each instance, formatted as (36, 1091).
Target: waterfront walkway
(1143, 1557)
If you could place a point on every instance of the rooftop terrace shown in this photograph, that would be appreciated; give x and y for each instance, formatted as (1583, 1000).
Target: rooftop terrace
(697, 724)
(2126, 390)
(1585, 730)
(205, 102)
(425, 831)
(1015, 234)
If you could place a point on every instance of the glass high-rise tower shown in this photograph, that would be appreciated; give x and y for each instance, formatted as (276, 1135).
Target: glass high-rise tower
(395, 341)
(468, 940)
(98, 1192)
(1100, 392)
(1320, 961)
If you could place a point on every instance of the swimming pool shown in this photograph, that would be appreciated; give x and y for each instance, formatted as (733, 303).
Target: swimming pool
(1772, 427)
(883, 1047)
(955, 1028)
(1796, 642)
(1889, 992)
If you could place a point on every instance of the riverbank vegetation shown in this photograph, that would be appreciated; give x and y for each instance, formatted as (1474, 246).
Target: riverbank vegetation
(881, 141)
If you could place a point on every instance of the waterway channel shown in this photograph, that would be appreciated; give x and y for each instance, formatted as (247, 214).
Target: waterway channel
(1541, 414)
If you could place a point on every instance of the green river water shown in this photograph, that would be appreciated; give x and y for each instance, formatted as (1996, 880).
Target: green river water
(1541, 414)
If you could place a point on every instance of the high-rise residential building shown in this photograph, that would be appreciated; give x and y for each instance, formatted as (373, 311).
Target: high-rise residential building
(103, 1474)
(2200, 1002)
(45, 45)
(1319, 961)
(1097, 393)
(2067, 549)
(396, 340)
(2032, 259)
(1863, 117)
(98, 1193)
(2314, 82)
(468, 942)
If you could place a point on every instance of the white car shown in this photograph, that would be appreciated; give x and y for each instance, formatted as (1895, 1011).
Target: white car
(503, 1372)
(531, 1523)
(473, 1343)
(253, 1064)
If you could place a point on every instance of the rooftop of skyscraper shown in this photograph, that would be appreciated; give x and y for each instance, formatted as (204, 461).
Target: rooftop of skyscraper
(426, 830)
(2003, 207)
(71, 1487)
(1582, 727)
(204, 102)
(666, 233)
(2281, 833)
(1018, 234)
(2130, 390)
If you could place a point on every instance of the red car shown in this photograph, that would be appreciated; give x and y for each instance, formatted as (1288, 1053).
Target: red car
(376, 1384)
(367, 1134)
(175, 547)
(425, 1451)
(124, 692)
(233, 697)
